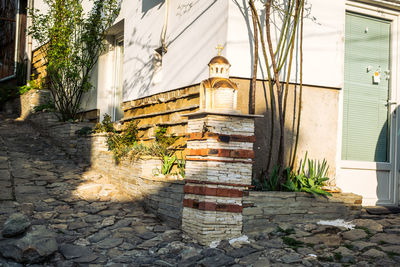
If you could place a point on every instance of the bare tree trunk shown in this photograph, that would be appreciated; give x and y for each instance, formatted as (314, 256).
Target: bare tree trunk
(270, 85)
(301, 89)
(255, 65)
(276, 78)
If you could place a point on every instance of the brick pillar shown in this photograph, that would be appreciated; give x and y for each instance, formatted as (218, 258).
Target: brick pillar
(218, 169)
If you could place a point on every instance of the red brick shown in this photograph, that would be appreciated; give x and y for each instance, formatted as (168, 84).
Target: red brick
(211, 191)
(221, 137)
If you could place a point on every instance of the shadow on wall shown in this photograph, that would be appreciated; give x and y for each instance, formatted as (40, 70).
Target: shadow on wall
(151, 70)
(149, 4)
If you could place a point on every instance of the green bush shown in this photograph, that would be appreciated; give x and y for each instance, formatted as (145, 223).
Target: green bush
(31, 85)
(106, 126)
(49, 106)
(121, 143)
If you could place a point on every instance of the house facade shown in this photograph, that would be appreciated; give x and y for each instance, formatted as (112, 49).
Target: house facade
(158, 54)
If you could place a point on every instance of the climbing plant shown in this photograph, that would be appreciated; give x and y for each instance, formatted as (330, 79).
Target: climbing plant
(72, 41)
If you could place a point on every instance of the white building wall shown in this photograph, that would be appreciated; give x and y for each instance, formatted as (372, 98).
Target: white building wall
(323, 44)
(194, 29)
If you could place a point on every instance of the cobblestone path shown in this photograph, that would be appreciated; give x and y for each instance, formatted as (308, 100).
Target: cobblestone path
(93, 225)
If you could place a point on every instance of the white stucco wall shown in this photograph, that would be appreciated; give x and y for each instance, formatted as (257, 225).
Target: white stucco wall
(323, 44)
(194, 29)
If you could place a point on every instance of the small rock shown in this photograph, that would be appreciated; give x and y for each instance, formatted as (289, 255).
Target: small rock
(393, 248)
(97, 237)
(110, 243)
(37, 245)
(344, 254)
(86, 259)
(172, 235)
(386, 238)
(374, 253)
(218, 260)
(82, 242)
(273, 243)
(108, 221)
(16, 224)
(160, 228)
(241, 252)
(121, 223)
(93, 218)
(71, 251)
(274, 254)
(371, 225)
(310, 227)
(114, 253)
(354, 234)
(147, 235)
(163, 263)
(77, 225)
(305, 251)
(250, 259)
(262, 262)
(93, 209)
(127, 246)
(291, 258)
(189, 253)
(175, 246)
(154, 242)
(210, 252)
(361, 245)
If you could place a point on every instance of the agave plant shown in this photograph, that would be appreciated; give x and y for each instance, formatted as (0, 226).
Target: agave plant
(310, 180)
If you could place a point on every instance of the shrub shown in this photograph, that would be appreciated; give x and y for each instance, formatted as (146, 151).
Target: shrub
(106, 126)
(121, 143)
(31, 85)
(49, 106)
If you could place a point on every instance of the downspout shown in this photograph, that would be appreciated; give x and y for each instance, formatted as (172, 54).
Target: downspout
(29, 42)
(17, 40)
(164, 30)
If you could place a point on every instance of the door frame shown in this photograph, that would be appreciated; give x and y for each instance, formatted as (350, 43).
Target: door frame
(394, 86)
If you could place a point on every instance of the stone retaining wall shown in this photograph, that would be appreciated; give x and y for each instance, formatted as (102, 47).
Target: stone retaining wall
(31, 99)
(265, 210)
(160, 195)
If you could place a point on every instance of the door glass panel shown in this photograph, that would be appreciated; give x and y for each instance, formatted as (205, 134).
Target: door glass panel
(366, 114)
(118, 79)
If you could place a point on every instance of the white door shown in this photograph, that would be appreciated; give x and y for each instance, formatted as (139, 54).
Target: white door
(369, 133)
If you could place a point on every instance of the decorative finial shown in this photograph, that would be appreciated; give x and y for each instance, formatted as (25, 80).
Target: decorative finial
(219, 48)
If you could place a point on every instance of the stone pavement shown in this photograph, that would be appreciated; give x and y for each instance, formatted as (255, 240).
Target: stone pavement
(63, 214)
